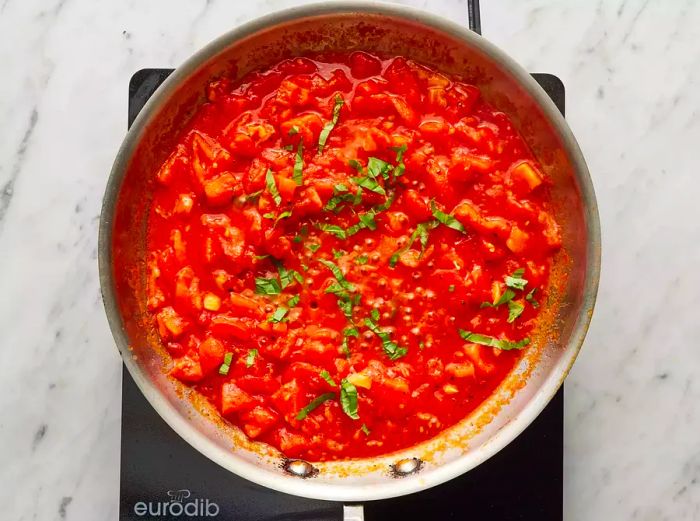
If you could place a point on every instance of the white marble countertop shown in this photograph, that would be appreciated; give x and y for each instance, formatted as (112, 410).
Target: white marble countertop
(632, 72)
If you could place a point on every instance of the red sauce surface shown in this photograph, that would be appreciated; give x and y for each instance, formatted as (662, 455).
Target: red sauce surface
(274, 289)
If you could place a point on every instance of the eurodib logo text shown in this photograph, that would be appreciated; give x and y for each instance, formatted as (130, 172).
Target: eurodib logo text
(179, 504)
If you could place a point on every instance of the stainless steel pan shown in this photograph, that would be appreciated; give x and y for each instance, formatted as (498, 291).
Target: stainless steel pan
(389, 30)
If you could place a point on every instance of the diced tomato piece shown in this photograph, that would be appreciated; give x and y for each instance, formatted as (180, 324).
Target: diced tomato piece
(234, 399)
(291, 443)
(288, 399)
(416, 205)
(309, 202)
(211, 355)
(258, 420)
(526, 173)
(220, 190)
(246, 305)
(286, 187)
(472, 218)
(517, 241)
(363, 65)
(187, 369)
(551, 230)
(307, 126)
(176, 165)
(232, 327)
(209, 157)
(258, 384)
(170, 324)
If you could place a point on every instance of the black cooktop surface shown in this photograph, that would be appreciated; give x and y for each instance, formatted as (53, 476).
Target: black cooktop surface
(521, 482)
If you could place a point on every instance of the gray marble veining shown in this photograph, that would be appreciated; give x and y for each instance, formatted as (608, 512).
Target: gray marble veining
(631, 68)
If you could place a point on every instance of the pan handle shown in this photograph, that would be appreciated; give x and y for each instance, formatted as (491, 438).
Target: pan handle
(474, 16)
(353, 513)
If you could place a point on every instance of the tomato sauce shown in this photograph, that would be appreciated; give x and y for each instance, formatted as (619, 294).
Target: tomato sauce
(346, 254)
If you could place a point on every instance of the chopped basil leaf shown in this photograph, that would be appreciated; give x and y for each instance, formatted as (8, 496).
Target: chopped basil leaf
(448, 220)
(344, 347)
(272, 187)
(361, 259)
(516, 280)
(226, 366)
(358, 196)
(288, 148)
(313, 247)
(394, 259)
(278, 315)
(421, 232)
(400, 151)
(351, 331)
(298, 175)
(377, 167)
(391, 348)
(314, 403)
(253, 195)
(265, 286)
(339, 253)
(287, 277)
(365, 429)
(370, 184)
(530, 297)
(506, 296)
(323, 137)
(354, 163)
(293, 131)
(262, 257)
(327, 377)
(374, 314)
(490, 341)
(293, 301)
(338, 274)
(282, 215)
(297, 239)
(333, 229)
(250, 358)
(340, 187)
(348, 399)
(515, 309)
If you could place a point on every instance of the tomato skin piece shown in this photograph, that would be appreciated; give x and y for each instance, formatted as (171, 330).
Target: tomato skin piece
(232, 327)
(234, 399)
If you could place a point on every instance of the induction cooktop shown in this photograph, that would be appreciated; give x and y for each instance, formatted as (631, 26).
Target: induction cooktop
(164, 478)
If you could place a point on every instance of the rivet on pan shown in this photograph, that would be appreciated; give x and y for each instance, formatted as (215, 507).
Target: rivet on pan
(299, 468)
(405, 467)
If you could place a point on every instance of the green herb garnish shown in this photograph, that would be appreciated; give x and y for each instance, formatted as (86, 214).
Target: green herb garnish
(327, 377)
(313, 247)
(293, 301)
(250, 358)
(339, 253)
(361, 259)
(272, 187)
(314, 403)
(287, 277)
(530, 297)
(515, 309)
(348, 399)
(333, 229)
(265, 286)
(391, 348)
(445, 218)
(226, 366)
(323, 137)
(279, 315)
(298, 174)
(365, 429)
(516, 280)
(490, 341)
(293, 131)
